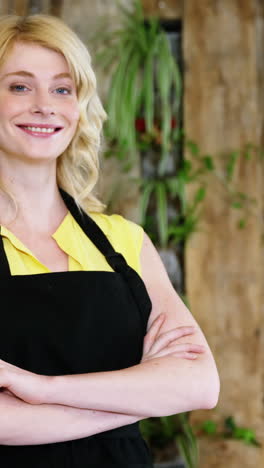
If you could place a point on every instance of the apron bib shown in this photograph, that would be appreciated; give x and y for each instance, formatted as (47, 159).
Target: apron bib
(72, 323)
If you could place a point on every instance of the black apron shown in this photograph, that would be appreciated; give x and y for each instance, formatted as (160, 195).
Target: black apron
(72, 323)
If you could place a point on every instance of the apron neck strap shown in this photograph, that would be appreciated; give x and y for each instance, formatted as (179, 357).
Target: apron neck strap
(5, 268)
(95, 234)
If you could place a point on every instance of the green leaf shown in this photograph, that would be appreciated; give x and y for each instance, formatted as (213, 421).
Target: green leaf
(187, 444)
(185, 170)
(230, 168)
(144, 200)
(208, 162)
(129, 101)
(241, 195)
(177, 81)
(168, 426)
(115, 107)
(237, 205)
(181, 231)
(173, 185)
(164, 85)
(241, 223)
(181, 192)
(210, 427)
(192, 147)
(249, 150)
(148, 90)
(162, 212)
(200, 194)
(230, 423)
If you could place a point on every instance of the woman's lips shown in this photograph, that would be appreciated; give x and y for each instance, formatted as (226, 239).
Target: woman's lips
(39, 134)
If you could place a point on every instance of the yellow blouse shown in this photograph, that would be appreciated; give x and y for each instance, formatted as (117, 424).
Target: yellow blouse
(125, 236)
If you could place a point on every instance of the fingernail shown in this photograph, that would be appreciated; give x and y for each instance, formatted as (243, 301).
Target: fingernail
(193, 356)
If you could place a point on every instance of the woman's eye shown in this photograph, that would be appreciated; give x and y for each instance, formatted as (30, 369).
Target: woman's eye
(68, 91)
(18, 88)
(21, 88)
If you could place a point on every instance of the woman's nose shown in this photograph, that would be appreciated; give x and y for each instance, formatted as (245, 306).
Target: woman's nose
(42, 105)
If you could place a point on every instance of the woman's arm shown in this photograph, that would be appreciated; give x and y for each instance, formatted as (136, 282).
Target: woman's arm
(166, 384)
(25, 424)
(162, 386)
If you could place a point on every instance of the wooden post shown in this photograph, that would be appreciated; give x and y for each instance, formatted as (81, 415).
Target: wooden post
(56, 7)
(21, 7)
(4, 7)
(223, 109)
(169, 9)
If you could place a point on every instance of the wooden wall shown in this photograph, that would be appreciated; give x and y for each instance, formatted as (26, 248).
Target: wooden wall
(169, 9)
(223, 108)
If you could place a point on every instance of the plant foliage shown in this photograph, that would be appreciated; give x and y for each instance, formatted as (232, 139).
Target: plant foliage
(159, 432)
(145, 82)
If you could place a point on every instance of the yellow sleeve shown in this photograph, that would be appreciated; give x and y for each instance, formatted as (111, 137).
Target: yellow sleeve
(125, 236)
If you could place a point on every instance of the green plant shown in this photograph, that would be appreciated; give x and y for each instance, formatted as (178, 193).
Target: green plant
(201, 171)
(145, 82)
(230, 430)
(167, 190)
(220, 170)
(171, 431)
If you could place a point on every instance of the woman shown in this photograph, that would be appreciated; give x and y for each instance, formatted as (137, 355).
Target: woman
(93, 337)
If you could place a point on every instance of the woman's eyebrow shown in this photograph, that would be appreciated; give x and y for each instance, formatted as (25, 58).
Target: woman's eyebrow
(31, 75)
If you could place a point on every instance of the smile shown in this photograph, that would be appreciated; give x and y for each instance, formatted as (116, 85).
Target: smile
(40, 132)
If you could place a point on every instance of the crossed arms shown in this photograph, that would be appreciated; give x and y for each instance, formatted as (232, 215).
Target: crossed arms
(173, 376)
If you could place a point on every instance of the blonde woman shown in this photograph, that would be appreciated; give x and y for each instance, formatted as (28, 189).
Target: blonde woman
(93, 337)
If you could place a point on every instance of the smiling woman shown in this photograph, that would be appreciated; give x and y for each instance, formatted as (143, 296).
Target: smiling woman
(42, 110)
(27, 39)
(93, 337)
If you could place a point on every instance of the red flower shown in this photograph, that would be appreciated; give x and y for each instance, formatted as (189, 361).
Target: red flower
(140, 125)
(173, 122)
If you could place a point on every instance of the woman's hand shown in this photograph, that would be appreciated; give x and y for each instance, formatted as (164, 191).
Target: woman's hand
(156, 345)
(29, 387)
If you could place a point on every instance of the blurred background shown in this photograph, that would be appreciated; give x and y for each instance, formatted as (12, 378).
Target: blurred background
(183, 85)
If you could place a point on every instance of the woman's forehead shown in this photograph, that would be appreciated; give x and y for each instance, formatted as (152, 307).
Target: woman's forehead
(35, 58)
(25, 50)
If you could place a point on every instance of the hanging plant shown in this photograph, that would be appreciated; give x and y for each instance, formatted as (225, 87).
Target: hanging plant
(145, 85)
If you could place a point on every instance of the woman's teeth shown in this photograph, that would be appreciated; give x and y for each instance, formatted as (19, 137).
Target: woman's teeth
(42, 130)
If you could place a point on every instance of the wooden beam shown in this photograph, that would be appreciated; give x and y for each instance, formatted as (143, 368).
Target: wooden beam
(223, 110)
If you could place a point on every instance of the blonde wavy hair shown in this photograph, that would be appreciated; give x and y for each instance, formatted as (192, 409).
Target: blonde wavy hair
(78, 165)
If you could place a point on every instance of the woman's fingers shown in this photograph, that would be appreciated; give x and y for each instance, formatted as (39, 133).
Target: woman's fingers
(152, 333)
(184, 350)
(167, 337)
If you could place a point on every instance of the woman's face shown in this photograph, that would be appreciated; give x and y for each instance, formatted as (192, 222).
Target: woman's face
(36, 91)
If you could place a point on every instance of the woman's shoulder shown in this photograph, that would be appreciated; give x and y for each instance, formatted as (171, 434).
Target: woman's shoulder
(125, 235)
(114, 224)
